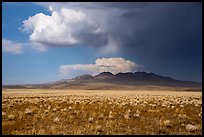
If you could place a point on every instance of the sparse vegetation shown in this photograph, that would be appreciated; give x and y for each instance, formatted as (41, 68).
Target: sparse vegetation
(101, 112)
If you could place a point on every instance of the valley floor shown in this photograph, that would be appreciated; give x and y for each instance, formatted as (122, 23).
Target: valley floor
(139, 112)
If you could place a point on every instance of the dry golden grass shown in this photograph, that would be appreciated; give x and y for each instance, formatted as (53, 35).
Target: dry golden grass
(100, 112)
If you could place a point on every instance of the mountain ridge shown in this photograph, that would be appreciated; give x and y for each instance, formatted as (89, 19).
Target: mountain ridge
(105, 79)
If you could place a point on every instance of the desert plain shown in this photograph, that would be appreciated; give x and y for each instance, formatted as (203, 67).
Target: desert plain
(106, 112)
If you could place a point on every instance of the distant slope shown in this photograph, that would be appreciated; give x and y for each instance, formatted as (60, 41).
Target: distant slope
(107, 80)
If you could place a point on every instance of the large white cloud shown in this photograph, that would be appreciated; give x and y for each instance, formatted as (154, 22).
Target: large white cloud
(113, 65)
(102, 26)
(11, 47)
(62, 28)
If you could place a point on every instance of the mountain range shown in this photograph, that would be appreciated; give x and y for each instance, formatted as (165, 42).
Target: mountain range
(107, 80)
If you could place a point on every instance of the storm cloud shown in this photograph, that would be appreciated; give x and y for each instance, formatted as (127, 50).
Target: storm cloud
(165, 37)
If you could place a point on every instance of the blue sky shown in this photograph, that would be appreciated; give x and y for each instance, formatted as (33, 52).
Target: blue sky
(32, 66)
(71, 39)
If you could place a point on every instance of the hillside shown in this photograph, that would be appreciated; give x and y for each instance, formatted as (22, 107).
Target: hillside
(107, 80)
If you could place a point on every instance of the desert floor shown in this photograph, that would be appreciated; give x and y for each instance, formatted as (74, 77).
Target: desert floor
(139, 112)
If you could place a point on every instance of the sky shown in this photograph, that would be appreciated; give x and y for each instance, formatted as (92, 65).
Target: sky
(45, 42)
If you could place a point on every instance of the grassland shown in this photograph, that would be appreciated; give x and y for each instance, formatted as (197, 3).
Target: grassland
(36, 111)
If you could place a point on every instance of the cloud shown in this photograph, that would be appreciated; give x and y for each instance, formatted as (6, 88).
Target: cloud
(113, 65)
(94, 5)
(111, 47)
(11, 47)
(37, 46)
(73, 24)
(103, 26)
(65, 27)
(147, 32)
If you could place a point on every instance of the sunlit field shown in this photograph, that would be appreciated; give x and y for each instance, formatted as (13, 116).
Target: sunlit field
(36, 112)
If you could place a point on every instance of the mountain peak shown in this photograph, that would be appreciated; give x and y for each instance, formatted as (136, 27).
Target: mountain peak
(105, 79)
(84, 76)
(124, 73)
(105, 74)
